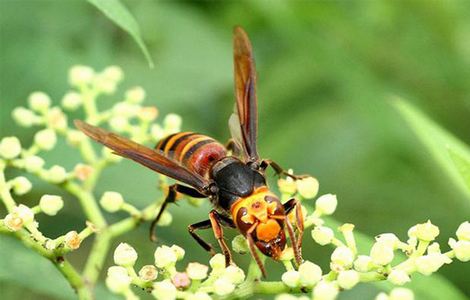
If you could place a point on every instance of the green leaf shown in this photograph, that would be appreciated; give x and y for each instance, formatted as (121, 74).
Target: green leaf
(438, 141)
(434, 287)
(120, 15)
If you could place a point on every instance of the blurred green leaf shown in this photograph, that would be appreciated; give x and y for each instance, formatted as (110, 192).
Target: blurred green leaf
(424, 287)
(438, 141)
(120, 15)
(462, 163)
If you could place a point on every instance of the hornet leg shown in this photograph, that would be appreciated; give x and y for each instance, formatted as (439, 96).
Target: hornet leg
(278, 169)
(288, 207)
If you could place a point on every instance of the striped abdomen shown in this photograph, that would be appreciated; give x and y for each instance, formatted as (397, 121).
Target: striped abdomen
(195, 151)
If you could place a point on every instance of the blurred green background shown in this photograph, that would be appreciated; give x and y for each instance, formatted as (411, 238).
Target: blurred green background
(326, 73)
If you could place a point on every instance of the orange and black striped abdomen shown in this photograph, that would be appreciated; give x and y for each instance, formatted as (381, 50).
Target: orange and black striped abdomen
(195, 151)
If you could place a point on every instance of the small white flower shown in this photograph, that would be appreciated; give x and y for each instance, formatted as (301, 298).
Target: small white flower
(148, 273)
(322, 235)
(381, 254)
(56, 119)
(287, 186)
(307, 187)
(348, 279)
(234, 274)
(326, 204)
(80, 75)
(24, 117)
(388, 239)
(164, 290)
(325, 290)
(21, 185)
(398, 277)
(164, 257)
(463, 232)
(428, 264)
(197, 271)
(198, 296)
(217, 262)
(425, 231)
(309, 273)
(51, 204)
(342, 256)
(401, 294)
(223, 286)
(239, 244)
(125, 255)
(25, 213)
(111, 201)
(113, 73)
(461, 249)
(363, 263)
(72, 240)
(291, 278)
(135, 95)
(56, 174)
(10, 147)
(82, 171)
(39, 101)
(172, 123)
(45, 139)
(71, 101)
(118, 280)
(179, 252)
(33, 163)
(13, 222)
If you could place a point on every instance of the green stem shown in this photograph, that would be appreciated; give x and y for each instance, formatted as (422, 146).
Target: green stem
(97, 256)
(88, 203)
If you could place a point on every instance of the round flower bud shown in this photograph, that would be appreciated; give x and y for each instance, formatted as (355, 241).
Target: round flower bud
(33, 163)
(325, 290)
(126, 110)
(71, 101)
(51, 204)
(125, 255)
(348, 279)
(111, 201)
(39, 101)
(165, 219)
(180, 280)
(428, 264)
(463, 232)
(381, 254)
(10, 147)
(342, 256)
(82, 171)
(80, 75)
(45, 139)
(234, 274)
(307, 187)
(198, 296)
(287, 185)
(239, 244)
(179, 252)
(21, 185)
(24, 117)
(148, 273)
(75, 137)
(326, 204)
(57, 119)
(462, 250)
(56, 174)
(172, 123)
(223, 286)
(401, 294)
(309, 273)
(382, 296)
(291, 278)
(388, 239)
(13, 222)
(398, 277)
(72, 240)
(119, 123)
(113, 73)
(135, 95)
(157, 132)
(322, 235)
(164, 257)
(197, 271)
(363, 263)
(217, 262)
(425, 231)
(148, 113)
(25, 213)
(118, 280)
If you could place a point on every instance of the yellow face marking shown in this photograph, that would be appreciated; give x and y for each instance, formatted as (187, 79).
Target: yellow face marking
(268, 231)
(257, 207)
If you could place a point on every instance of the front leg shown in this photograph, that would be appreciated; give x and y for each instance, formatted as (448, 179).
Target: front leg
(279, 170)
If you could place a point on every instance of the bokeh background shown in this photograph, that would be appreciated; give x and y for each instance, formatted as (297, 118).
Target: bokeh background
(327, 71)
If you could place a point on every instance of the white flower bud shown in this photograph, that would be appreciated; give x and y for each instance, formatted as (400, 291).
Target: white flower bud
(164, 257)
(322, 235)
(172, 123)
(45, 139)
(57, 119)
(148, 113)
(72, 240)
(56, 174)
(10, 147)
(398, 277)
(197, 271)
(381, 254)
(348, 279)
(291, 278)
(325, 290)
(342, 256)
(25, 213)
(326, 204)
(307, 187)
(217, 262)
(24, 117)
(75, 137)
(310, 274)
(461, 249)
(39, 101)
(125, 255)
(165, 219)
(239, 244)
(119, 123)
(363, 263)
(179, 252)
(181, 280)
(223, 286)
(234, 274)
(80, 75)
(463, 232)
(148, 273)
(401, 294)
(428, 264)
(71, 101)
(434, 248)
(33, 163)
(125, 109)
(111, 201)
(118, 280)
(13, 222)
(287, 254)
(287, 186)
(388, 239)
(21, 185)
(425, 231)
(382, 296)
(82, 171)
(51, 204)
(135, 95)
(113, 73)
(198, 296)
